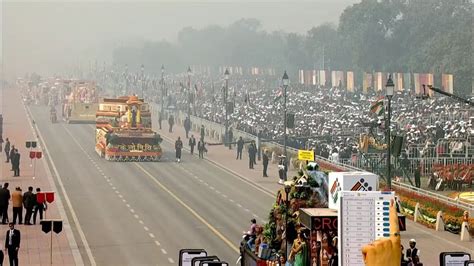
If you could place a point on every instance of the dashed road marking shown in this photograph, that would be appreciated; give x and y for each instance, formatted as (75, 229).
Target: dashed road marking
(132, 210)
(146, 228)
(171, 260)
(136, 216)
(151, 235)
(157, 243)
(164, 251)
(141, 222)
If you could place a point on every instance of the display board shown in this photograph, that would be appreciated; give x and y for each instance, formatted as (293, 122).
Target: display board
(364, 216)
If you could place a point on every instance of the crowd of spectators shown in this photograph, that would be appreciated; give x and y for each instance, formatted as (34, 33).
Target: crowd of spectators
(333, 116)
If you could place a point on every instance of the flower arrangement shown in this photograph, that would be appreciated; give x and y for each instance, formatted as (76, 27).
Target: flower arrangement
(429, 207)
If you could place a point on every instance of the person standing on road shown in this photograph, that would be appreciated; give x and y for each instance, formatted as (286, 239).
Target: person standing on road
(203, 132)
(201, 148)
(29, 201)
(12, 152)
(413, 254)
(7, 150)
(160, 118)
(4, 198)
(282, 169)
(187, 126)
(171, 123)
(265, 160)
(192, 143)
(178, 145)
(252, 152)
(240, 148)
(16, 163)
(39, 207)
(418, 176)
(17, 203)
(12, 244)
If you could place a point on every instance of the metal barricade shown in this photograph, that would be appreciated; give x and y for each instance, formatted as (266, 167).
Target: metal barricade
(449, 148)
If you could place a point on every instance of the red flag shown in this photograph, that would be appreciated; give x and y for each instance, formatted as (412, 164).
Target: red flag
(49, 196)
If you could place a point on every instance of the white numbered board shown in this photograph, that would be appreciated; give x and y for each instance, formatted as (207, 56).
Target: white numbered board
(363, 217)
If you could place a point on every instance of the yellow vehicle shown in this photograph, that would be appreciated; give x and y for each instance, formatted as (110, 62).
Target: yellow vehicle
(81, 104)
(123, 131)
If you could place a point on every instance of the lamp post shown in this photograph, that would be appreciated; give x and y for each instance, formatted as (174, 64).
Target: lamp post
(143, 81)
(226, 90)
(287, 192)
(162, 87)
(389, 94)
(286, 81)
(126, 79)
(189, 90)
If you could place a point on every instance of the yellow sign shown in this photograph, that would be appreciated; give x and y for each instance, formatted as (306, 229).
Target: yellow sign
(304, 155)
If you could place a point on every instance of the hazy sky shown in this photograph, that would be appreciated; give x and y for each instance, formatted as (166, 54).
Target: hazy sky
(45, 36)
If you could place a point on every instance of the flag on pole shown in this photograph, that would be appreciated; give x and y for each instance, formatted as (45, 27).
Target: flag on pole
(377, 107)
(278, 95)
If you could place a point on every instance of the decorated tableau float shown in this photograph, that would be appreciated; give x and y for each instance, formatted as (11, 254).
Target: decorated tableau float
(123, 131)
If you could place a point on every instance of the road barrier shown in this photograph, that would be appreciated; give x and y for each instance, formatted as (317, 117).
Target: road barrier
(216, 131)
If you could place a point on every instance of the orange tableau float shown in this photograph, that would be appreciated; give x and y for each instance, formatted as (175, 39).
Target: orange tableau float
(123, 131)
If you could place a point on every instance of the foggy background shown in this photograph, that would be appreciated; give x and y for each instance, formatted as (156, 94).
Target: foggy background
(49, 37)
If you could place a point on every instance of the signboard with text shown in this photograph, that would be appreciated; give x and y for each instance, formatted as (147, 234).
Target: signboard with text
(305, 155)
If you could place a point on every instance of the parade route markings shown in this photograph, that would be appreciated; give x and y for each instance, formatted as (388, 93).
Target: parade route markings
(117, 192)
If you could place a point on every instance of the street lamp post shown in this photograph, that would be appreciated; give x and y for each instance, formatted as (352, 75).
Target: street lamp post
(126, 79)
(189, 90)
(226, 90)
(286, 81)
(389, 94)
(162, 87)
(287, 192)
(143, 80)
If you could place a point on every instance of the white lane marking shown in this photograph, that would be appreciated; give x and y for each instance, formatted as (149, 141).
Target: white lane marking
(136, 216)
(238, 204)
(231, 200)
(146, 228)
(157, 243)
(224, 195)
(247, 210)
(164, 251)
(123, 200)
(141, 222)
(75, 250)
(151, 235)
(171, 260)
(132, 210)
(117, 192)
(128, 205)
(120, 196)
(114, 188)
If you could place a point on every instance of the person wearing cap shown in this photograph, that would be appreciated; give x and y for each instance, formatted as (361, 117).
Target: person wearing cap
(413, 254)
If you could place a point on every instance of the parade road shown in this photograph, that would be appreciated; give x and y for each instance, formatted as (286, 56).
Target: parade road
(144, 213)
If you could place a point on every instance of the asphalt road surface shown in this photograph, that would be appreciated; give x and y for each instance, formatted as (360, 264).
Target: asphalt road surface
(144, 213)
